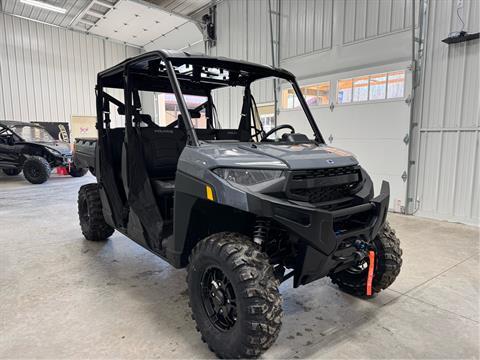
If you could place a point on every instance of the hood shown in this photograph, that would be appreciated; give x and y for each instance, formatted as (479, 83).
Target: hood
(278, 156)
(60, 146)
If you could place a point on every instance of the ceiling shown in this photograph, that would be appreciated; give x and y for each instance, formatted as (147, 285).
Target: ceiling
(74, 7)
(137, 22)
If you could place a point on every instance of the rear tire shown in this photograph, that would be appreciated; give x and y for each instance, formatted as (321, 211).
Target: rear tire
(388, 262)
(233, 296)
(12, 171)
(36, 170)
(77, 172)
(92, 222)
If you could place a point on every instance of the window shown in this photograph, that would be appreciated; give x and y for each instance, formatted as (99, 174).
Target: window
(378, 87)
(345, 91)
(315, 95)
(371, 87)
(360, 89)
(396, 84)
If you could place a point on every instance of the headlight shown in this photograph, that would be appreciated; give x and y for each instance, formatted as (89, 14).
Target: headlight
(247, 177)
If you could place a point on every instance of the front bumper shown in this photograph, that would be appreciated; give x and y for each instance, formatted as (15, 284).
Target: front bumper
(317, 230)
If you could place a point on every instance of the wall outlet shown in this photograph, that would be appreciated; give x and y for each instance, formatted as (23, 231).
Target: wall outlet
(459, 4)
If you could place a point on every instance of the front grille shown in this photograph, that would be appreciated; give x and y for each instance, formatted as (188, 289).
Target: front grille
(319, 173)
(321, 186)
(322, 194)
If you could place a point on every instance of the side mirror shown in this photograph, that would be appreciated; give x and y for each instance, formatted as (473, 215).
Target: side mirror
(10, 140)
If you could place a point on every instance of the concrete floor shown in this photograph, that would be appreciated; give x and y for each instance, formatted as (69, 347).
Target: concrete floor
(64, 297)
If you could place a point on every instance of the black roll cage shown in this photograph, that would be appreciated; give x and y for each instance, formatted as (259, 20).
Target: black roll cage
(149, 72)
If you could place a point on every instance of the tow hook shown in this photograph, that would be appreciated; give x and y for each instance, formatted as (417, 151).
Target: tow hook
(362, 248)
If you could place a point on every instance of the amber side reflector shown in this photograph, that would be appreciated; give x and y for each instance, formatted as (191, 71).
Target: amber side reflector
(209, 191)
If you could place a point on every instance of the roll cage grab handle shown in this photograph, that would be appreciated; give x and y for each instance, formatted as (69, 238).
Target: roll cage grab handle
(192, 138)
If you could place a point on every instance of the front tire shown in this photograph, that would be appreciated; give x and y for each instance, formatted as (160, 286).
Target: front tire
(12, 171)
(387, 265)
(234, 296)
(90, 212)
(36, 170)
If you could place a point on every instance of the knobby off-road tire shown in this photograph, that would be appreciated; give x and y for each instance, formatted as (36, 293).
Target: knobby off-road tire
(36, 169)
(92, 222)
(77, 172)
(249, 274)
(12, 172)
(388, 262)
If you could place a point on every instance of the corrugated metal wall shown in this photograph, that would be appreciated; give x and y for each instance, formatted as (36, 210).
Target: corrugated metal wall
(366, 19)
(447, 183)
(49, 73)
(306, 27)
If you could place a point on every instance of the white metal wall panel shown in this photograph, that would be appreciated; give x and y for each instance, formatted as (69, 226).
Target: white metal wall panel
(366, 19)
(447, 183)
(306, 26)
(49, 73)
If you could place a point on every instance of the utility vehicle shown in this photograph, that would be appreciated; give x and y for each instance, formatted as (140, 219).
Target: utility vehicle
(29, 147)
(242, 208)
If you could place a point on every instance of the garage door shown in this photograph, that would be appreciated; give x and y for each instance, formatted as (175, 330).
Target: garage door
(364, 112)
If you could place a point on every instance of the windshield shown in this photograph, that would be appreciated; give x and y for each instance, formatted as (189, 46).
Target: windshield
(32, 133)
(234, 103)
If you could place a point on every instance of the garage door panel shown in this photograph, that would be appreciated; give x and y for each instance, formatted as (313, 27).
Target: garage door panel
(365, 121)
(377, 156)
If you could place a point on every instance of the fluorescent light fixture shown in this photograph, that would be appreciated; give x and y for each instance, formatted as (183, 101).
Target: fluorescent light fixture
(45, 6)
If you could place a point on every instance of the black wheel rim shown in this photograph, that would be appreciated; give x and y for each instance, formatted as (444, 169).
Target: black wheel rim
(219, 299)
(34, 173)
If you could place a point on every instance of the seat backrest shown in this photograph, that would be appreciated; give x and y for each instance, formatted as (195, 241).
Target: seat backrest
(162, 148)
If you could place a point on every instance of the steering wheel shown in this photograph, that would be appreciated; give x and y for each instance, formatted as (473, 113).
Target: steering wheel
(276, 128)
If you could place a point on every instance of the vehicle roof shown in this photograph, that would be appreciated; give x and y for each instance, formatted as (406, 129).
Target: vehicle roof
(10, 123)
(141, 66)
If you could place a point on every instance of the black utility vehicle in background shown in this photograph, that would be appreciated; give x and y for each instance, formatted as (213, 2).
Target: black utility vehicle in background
(29, 147)
(242, 208)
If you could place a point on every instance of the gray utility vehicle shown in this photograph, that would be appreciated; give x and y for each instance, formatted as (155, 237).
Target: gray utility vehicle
(242, 209)
(29, 147)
